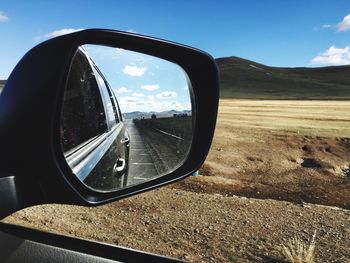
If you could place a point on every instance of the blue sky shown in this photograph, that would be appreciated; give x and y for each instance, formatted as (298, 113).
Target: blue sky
(276, 33)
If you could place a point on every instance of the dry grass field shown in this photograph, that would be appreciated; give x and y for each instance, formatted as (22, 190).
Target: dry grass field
(293, 150)
(292, 117)
(284, 150)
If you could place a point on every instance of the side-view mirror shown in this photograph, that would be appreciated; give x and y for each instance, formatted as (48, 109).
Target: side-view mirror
(101, 115)
(126, 117)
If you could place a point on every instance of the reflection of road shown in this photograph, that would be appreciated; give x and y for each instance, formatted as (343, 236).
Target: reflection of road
(141, 165)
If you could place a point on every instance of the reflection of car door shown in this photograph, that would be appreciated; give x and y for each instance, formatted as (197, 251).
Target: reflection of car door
(116, 158)
(92, 133)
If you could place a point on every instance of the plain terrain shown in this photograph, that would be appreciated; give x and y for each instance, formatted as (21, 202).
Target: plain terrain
(200, 227)
(285, 150)
(278, 167)
(201, 219)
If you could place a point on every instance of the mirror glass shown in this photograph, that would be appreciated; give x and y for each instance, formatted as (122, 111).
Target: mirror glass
(126, 117)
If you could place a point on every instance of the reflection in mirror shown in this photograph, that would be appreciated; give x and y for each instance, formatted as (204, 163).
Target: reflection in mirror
(126, 117)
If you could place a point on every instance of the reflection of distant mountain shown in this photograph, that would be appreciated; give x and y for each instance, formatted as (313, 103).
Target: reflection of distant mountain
(147, 115)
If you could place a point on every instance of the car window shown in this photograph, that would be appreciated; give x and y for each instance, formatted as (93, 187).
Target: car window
(83, 115)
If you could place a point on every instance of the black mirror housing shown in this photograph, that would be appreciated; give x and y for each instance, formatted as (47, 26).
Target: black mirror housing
(31, 153)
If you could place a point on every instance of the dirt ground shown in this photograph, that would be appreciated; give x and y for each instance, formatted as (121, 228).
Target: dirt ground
(297, 151)
(294, 168)
(200, 227)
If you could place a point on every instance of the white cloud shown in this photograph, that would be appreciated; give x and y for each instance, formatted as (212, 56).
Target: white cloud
(326, 26)
(166, 95)
(345, 24)
(3, 17)
(57, 33)
(122, 90)
(150, 87)
(61, 32)
(333, 56)
(134, 71)
(135, 94)
(131, 31)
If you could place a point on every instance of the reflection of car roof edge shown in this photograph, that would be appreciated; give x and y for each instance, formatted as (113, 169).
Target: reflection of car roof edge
(86, 163)
(77, 154)
(86, 148)
(72, 152)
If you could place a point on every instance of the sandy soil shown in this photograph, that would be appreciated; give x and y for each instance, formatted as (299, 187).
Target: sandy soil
(297, 153)
(200, 227)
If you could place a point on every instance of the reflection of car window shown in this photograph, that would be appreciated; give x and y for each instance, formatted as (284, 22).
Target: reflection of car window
(83, 115)
(110, 105)
(114, 102)
(118, 112)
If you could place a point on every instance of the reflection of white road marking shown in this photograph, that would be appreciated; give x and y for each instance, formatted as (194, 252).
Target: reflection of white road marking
(143, 163)
(140, 178)
(172, 135)
(144, 154)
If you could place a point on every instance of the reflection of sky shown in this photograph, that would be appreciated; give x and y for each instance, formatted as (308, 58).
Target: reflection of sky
(142, 82)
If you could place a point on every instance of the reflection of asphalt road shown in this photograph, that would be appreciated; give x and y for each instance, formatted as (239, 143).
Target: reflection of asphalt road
(141, 165)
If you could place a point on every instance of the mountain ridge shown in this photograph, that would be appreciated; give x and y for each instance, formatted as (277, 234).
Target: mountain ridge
(245, 79)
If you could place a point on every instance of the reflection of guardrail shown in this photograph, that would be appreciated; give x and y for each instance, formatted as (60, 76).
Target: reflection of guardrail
(167, 133)
(167, 149)
(176, 127)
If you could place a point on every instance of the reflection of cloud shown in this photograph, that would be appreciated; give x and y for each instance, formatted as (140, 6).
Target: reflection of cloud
(129, 99)
(345, 24)
(326, 26)
(150, 87)
(333, 56)
(122, 90)
(134, 71)
(150, 103)
(3, 17)
(135, 94)
(166, 95)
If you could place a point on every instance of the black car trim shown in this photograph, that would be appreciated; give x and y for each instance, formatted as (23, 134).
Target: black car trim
(69, 244)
